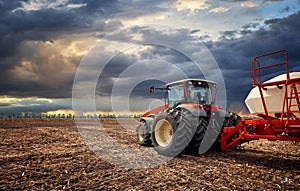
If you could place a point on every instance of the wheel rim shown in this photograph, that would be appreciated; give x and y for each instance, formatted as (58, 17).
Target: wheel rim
(163, 133)
(141, 133)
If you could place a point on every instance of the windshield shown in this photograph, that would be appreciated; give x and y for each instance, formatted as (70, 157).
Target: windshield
(199, 93)
(176, 94)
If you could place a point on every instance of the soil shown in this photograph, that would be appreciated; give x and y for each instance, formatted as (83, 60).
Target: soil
(51, 154)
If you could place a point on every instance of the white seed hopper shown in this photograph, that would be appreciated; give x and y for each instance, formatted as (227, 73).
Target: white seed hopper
(273, 96)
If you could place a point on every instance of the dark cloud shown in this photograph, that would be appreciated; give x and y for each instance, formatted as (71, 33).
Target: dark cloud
(228, 35)
(271, 21)
(29, 68)
(151, 62)
(195, 31)
(37, 73)
(17, 24)
(152, 54)
(286, 9)
(234, 54)
(111, 72)
(8, 5)
(250, 26)
(28, 37)
(236, 34)
(263, 1)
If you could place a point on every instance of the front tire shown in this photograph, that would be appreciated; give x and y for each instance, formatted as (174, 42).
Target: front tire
(143, 134)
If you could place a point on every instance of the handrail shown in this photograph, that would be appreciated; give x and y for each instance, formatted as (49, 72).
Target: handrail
(256, 67)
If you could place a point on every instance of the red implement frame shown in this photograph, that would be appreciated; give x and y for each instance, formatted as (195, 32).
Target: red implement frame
(284, 127)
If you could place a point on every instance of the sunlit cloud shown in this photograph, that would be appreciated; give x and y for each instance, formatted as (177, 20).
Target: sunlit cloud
(34, 5)
(26, 70)
(145, 19)
(7, 101)
(193, 6)
(249, 4)
(219, 10)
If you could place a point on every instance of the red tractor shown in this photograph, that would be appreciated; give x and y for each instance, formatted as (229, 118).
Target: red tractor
(181, 124)
(191, 122)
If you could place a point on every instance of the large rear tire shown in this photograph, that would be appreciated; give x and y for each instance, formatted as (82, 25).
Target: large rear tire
(172, 132)
(193, 147)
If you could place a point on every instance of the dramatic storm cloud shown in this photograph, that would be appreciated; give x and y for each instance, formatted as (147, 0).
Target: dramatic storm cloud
(235, 49)
(42, 43)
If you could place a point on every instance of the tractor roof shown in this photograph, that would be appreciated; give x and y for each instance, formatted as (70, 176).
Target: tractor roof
(191, 79)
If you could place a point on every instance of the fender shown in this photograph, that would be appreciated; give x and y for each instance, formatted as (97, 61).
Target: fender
(195, 109)
(154, 111)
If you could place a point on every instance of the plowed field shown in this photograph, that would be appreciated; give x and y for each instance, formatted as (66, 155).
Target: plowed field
(50, 154)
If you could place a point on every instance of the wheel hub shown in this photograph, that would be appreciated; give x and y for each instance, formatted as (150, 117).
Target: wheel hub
(163, 133)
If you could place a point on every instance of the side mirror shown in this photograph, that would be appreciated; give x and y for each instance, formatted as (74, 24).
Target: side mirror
(151, 89)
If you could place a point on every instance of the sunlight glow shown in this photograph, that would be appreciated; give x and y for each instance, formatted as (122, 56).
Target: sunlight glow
(7, 101)
(249, 4)
(193, 6)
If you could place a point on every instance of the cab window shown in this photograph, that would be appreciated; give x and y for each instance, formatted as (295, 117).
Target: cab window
(176, 94)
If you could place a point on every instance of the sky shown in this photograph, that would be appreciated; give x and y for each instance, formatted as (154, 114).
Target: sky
(117, 49)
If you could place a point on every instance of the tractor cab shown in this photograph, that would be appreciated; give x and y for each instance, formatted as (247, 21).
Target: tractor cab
(191, 91)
